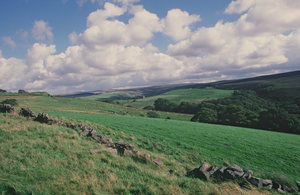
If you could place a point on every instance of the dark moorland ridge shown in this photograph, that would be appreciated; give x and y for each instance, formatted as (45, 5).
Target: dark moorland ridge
(225, 84)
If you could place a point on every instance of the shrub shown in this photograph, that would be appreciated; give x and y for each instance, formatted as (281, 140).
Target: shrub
(12, 102)
(152, 114)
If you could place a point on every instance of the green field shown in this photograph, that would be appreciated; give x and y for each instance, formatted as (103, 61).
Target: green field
(47, 103)
(189, 143)
(112, 96)
(37, 158)
(180, 95)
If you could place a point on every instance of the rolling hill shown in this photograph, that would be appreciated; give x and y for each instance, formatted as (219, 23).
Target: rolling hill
(39, 158)
(289, 80)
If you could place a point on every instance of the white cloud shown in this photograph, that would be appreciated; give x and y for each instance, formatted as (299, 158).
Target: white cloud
(11, 73)
(239, 6)
(177, 24)
(268, 16)
(104, 29)
(259, 41)
(8, 41)
(41, 31)
(114, 53)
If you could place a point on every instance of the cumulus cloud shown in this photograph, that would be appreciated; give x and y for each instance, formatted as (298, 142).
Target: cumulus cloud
(12, 72)
(41, 31)
(114, 53)
(104, 29)
(239, 6)
(177, 24)
(8, 41)
(267, 16)
(259, 41)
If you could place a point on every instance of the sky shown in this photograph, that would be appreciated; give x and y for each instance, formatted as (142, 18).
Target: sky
(64, 46)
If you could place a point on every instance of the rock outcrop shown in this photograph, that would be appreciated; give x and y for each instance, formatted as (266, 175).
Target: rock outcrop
(6, 108)
(26, 112)
(44, 118)
(234, 172)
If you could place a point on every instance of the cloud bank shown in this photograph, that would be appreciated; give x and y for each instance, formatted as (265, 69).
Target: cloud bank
(113, 53)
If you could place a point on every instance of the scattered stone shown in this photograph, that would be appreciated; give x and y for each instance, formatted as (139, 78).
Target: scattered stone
(281, 191)
(267, 183)
(201, 172)
(103, 140)
(248, 174)
(229, 174)
(6, 108)
(276, 186)
(235, 168)
(124, 147)
(26, 112)
(70, 125)
(212, 170)
(219, 174)
(233, 172)
(158, 162)
(43, 118)
(298, 185)
(204, 167)
(82, 127)
(88, 132)
(256, 182)
(288, 189)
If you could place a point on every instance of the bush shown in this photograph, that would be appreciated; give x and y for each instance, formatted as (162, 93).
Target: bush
(164, 105)
(12, 102)
(148, 108)
(152, 114)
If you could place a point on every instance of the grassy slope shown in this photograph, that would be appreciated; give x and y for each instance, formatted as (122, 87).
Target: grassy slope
(190, 143)
(42, 159)
(46, 104)
(179, 95)
(112, 96)
(181, 145)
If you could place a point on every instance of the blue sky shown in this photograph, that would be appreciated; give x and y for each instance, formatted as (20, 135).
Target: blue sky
(69, 16)
(78, 45)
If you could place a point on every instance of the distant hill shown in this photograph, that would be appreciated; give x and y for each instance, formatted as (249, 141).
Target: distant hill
(266, 102)
(289, 80)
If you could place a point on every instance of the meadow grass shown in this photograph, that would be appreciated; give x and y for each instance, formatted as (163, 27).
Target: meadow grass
(190, 144)
(37, 158)
(41, 159)
(47, 103)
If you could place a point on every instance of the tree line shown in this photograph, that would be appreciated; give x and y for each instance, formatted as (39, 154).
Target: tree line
(243, 108)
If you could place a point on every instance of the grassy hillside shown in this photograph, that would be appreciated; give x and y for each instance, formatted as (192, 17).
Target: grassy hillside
(278, 87)
(190, 143)
(47, 103)
(119, 95)
(43, 159)
(37, 158)
(278, 81)
(180, 95)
